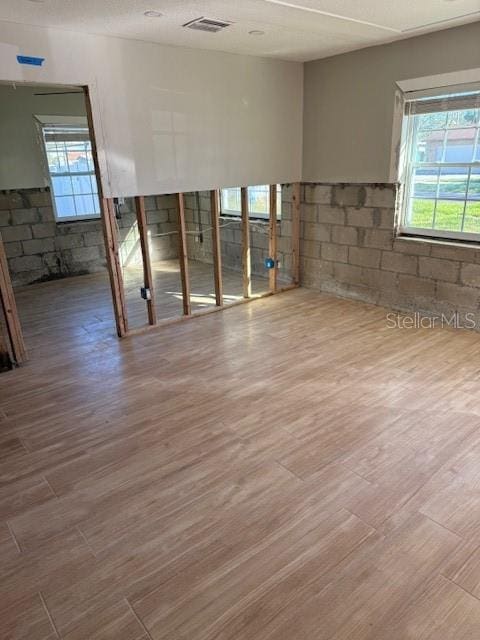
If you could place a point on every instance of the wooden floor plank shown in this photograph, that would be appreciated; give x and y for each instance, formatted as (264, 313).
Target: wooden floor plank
(286, 469)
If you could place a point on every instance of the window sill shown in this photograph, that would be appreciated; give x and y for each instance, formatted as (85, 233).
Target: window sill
(78, 219)
(450, 242)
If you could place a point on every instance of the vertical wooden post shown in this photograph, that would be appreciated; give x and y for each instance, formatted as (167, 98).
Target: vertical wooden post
(182, 255)
(12, 322)
(246, 264)
(272, 237)
(296, 233)
(217, 251)
(114, 265)
(147, 265)
(109, 233)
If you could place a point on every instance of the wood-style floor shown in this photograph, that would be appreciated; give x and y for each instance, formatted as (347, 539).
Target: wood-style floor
(79, 309)
(288, 469)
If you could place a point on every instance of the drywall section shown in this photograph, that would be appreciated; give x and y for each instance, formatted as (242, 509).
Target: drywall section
(22, 159)
(348, 248)
(40, 249)
(199, 239)
(171, 119)
(349, 101)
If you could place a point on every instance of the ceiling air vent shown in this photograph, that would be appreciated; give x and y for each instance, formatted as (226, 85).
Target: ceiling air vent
(207, 24)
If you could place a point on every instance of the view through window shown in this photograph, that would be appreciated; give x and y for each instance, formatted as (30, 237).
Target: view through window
(258, 201)
(72, 173)
(442, 187)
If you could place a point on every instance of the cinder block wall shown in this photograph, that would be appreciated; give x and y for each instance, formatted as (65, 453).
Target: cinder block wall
(198, 220)
(38, 248)
(348, 248)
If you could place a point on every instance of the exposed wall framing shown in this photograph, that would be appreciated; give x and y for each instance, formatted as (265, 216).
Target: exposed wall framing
(110, 231)
(182, 255)
(272, 237)
(14, 337)
(217, 255)
(246, 260)
(114, 265)
(147, 266)
(296, 233)
(217, 252)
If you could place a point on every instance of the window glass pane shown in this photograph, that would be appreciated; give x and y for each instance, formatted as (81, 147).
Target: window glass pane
(474, 184)
(65, 206)
(462, 118)
(81, 184)
(453, 183)
(444, 180)
(84, 205)
(449, 215)
(56, 158)
(69, 152)
(431, 120)
(425, 181)
(429, 146)
(231, 200)
(62, 185)
(459, 145)
(96, 204)
(258, 200)
(421, 213)
(472, 217)
(79, 157)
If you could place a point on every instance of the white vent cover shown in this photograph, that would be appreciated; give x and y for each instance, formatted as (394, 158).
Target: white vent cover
(207, 24)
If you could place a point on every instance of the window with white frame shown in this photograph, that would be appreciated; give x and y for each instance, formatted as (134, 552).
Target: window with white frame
(442, 167)
(71, 170)
(258, 201)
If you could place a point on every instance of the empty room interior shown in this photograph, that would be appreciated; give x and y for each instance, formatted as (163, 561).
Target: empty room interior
(239, 320)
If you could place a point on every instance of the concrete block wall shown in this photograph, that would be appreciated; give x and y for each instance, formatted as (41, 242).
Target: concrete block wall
(198, 220)
(349, 249)
(38, 248)
(162, 225)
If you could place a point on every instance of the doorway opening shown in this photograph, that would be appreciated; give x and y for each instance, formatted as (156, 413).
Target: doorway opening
(50, 216)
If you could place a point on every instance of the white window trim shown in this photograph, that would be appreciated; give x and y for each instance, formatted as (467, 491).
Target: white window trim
(440, 84)
(45, 120)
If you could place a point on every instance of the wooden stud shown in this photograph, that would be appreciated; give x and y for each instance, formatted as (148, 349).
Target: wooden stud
(147, 265)
(12, 321)
(109, 233)
(216, 246)
(272, 237)
(114, 265)
(182, 254)
(246, 263)
(296, 233)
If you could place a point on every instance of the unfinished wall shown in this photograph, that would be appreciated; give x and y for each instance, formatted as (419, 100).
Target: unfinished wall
(198, 220)
(348, 249)
(349, 101)
(40, 249)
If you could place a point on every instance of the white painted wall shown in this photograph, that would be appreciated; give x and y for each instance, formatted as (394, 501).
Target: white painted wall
(172, 119)
(22, 158)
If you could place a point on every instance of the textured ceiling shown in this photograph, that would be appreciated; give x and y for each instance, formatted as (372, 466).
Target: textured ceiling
(293, 29)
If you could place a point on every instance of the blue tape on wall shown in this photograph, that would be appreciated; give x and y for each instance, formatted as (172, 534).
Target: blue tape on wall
(32, 60)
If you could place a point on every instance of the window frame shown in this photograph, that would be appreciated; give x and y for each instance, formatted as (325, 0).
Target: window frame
(408, 166)
(80, 122)
(258, 217)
